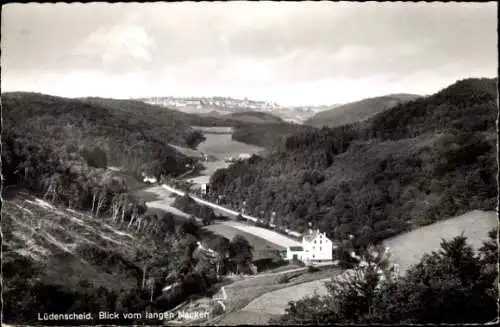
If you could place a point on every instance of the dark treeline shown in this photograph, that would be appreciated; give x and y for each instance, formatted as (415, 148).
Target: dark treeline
(267, 135)
(416, 163)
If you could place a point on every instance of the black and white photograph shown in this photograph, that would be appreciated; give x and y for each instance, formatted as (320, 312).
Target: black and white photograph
(249, 163)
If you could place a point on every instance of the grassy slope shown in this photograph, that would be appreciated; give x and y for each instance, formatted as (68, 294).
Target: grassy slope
(408, 248)
(356, 111)
(241, 293)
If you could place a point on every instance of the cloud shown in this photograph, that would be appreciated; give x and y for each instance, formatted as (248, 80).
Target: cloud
(272, 49)
(118, 46)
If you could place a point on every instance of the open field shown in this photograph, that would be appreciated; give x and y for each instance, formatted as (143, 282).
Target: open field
(222, 145)
(275, 302)
(264, 233)
(163, 201)
(210, 168)
(243, 293)
(261, 246)
(186, 151)
(408, 248)
(218, 144)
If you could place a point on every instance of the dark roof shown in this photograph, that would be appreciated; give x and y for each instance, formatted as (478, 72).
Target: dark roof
(296, 248)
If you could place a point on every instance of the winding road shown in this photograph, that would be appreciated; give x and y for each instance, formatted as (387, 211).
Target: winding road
(223, 209)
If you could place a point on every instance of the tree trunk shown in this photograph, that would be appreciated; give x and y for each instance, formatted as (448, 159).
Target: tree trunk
(93, 202)
(144, 276)
(124, 208)
(115, 208)
(132, 218)
(152, 292)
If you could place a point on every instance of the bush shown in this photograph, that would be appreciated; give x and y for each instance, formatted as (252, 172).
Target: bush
(312, 269)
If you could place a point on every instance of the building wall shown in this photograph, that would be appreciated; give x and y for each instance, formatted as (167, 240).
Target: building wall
(319, 248)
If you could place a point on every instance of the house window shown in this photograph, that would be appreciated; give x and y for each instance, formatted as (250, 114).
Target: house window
(320, 242)
(313, 255)
(320, 248)
(314, 241)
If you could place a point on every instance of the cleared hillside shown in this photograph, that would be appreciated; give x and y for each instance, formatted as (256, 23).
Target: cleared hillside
(59, 260)
(42, 233)
(357, 111)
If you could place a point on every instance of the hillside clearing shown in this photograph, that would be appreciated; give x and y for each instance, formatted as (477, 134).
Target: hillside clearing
(63, 242)
(407, 249)
(163, 201)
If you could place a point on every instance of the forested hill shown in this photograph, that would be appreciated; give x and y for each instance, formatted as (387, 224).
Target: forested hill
(158, 113)
(255, 117)
(358, 111)
(419, 162)
(250, 127)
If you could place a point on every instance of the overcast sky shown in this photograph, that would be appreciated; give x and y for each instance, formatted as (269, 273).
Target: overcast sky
(290, 53)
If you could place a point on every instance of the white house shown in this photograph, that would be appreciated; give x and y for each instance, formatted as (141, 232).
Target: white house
(315, 247)
(205, 188)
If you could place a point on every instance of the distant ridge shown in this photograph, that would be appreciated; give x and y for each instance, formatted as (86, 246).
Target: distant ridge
(359, 110)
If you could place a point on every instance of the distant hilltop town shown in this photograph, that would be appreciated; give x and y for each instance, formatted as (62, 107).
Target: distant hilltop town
(214, 102)
(226, 105)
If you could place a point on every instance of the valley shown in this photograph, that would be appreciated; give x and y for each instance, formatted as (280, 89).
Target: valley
(122, 234)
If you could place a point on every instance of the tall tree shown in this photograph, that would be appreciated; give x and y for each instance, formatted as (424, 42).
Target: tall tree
(240, 252)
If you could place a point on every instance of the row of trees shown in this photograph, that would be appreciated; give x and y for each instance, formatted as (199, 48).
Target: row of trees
(452, 285)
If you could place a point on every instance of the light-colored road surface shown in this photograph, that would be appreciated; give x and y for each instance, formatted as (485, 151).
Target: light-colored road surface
(222, 209)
